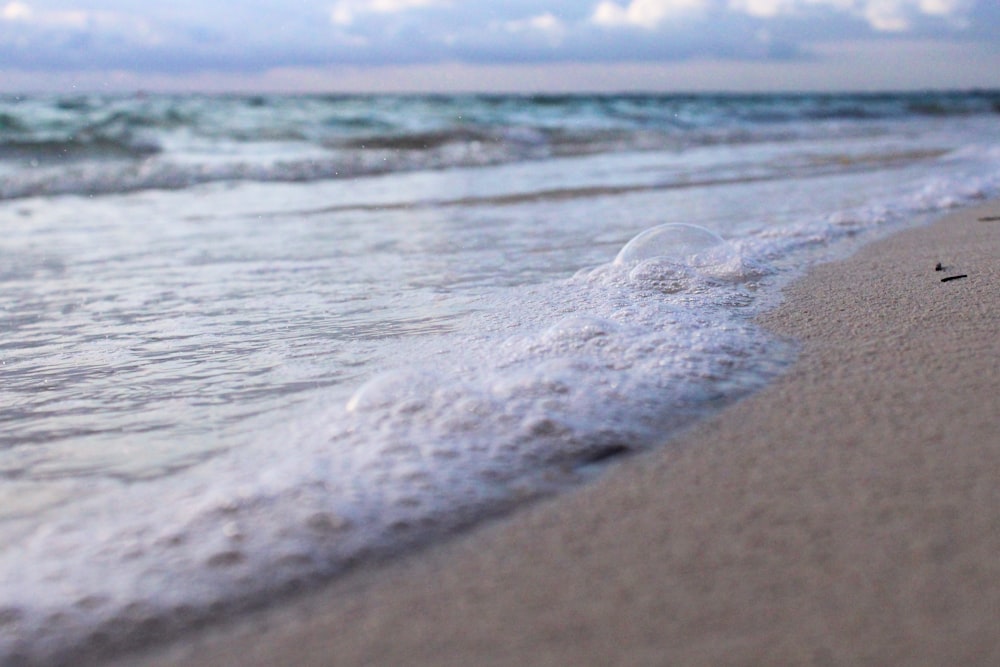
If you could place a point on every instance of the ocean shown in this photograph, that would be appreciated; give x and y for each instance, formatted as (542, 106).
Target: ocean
(248, 343)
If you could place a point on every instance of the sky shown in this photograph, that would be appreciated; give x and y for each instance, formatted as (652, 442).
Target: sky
(488, 45)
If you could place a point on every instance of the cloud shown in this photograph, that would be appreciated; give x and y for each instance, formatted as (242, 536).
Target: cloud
(186, 36)
(765, 8)
(345, 12)
(16, 11)
(546, 22)
(25, 17)
(547, 26)
(881, 15)
(647, 14)
(19, 12)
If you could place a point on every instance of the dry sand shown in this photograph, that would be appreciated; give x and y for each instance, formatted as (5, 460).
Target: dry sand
(848, 514)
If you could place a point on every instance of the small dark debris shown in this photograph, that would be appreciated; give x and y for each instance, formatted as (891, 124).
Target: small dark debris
(950, 278)
(938, 267)
(990, 218)
(602, 454)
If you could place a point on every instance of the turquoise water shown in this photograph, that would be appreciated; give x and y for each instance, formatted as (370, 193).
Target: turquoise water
(245, 342)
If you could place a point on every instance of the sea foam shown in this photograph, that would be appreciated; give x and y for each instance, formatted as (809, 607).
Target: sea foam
(417, 451)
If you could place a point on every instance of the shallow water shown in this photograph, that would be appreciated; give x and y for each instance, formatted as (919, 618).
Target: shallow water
(250, 341)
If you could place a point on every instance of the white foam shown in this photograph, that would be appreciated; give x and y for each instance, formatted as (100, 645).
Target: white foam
(414, 452)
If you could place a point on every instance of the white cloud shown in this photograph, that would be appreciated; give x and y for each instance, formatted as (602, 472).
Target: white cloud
(763, 8)
(887, 15)
(644, 13)
(78, 20)
(346, 11)
(547, 23)
(882, 15)
(956, 11)
(945, 7)
(23, 13)
(16, 11)
(186, 36)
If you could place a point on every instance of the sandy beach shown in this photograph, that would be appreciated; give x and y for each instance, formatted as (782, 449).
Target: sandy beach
(848, 514)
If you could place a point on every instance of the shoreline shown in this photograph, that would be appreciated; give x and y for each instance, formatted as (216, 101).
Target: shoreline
(847, 513)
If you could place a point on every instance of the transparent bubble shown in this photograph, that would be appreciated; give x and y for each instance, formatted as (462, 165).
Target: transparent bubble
(677, 242)
(408, 389)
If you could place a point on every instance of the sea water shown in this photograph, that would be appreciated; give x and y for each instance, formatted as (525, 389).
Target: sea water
(247, 343)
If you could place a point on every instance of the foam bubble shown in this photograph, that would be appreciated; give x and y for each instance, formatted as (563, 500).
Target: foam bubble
(407, 390)
(678, 257)
(677, 242)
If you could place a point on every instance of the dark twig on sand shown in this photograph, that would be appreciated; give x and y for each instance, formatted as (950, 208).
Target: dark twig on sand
(949, 278)
(990, 218)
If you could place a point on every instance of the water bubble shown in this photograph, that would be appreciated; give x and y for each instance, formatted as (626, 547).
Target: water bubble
(677, 242)
(676, 257)
(409, 389)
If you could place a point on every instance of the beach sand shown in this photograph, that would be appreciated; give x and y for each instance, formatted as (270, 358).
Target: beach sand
(847, 514)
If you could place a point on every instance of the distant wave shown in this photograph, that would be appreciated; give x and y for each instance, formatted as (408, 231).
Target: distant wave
(104, 144)
(108, 177)
(55, 150)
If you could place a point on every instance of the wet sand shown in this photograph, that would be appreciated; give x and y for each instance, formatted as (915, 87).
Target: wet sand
(848, 514)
